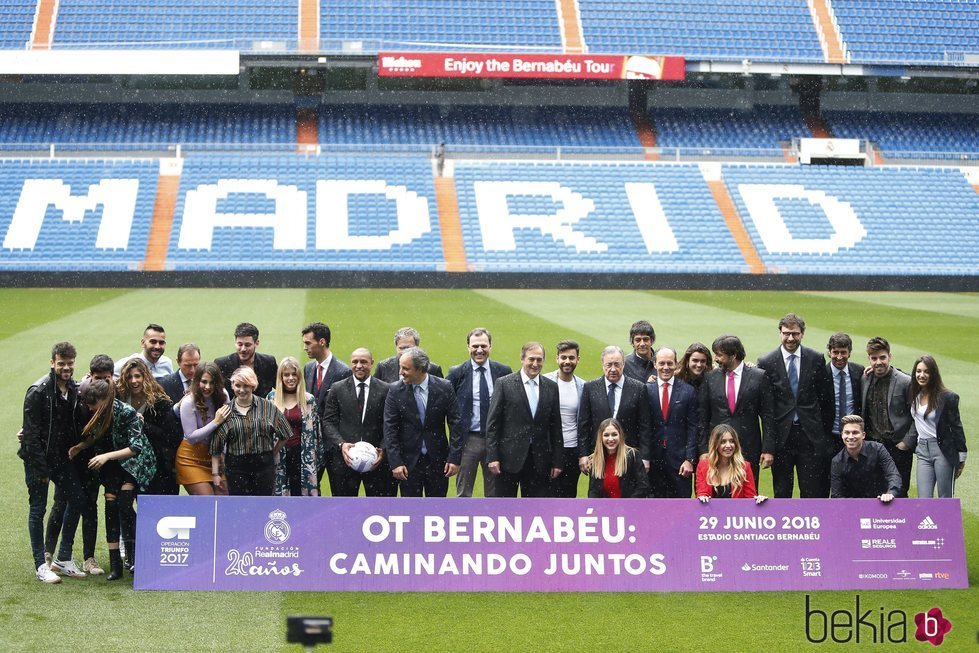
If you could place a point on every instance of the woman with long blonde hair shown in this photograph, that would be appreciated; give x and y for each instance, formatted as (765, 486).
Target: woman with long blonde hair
(616, 471)
(724, 473)
(295, 472)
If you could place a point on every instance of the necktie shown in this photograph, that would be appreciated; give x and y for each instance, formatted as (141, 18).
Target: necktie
(484, 399)
(665, 401)
(420, 402)
(793, 375)
(360, 400)
(319, 377)
(841, 408)
(730, 392)
(532, 396)
(611, 399)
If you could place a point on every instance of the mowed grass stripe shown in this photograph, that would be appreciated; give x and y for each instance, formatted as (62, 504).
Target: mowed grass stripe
(26, 308)
(959, 304)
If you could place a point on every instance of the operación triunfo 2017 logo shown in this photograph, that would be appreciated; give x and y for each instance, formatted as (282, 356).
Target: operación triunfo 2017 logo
(175, 533)
(268, 560)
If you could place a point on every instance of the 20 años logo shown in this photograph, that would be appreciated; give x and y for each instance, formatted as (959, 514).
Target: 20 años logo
(872, 626)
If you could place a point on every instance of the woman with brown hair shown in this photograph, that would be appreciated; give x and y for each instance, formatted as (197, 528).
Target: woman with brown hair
(724, 473)
(202, 410)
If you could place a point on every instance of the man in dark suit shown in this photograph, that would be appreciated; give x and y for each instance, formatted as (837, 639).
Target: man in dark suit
(417, 413)
(847, 380)
(246, 355)
(320, 373)
(613, 395)
(741, 396)
(355, 412)
(473, 384)
(675, 417)
(803, 401)
(887, 409)
(176, 384)
(524, 444)
(640, 365)
(389, 369)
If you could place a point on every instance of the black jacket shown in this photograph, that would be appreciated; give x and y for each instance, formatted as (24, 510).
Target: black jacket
(634, 485)
(40, 448)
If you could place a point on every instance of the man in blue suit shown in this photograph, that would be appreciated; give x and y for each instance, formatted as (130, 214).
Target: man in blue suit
(320, 373)
(675, 416)
(417, 414)
(473, 384)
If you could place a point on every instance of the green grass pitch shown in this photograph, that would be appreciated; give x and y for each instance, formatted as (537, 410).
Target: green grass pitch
(92, 614)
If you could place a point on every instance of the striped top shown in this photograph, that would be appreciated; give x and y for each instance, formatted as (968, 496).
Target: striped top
(254, 432)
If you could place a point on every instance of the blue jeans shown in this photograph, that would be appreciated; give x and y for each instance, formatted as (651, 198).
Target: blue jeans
(65, 476)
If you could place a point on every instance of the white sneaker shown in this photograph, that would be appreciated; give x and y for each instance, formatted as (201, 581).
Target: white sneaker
(91, 567)
(67, 568)
(45, 575)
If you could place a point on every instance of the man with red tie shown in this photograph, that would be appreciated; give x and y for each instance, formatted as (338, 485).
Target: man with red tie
(741, 396)
(675, 418)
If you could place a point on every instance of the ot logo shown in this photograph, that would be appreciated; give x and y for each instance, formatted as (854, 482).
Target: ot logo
(170, 528)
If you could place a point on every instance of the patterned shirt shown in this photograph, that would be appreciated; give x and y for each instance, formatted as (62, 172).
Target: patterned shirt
(255, 432)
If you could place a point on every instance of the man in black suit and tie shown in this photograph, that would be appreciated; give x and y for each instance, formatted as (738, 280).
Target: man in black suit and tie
(803, 401)
(176, 384)
(524, 443)
(417, 413)
(320, 374)
(473, 384)
(389, 369)
(741, 396)
(613, 395)
(887, 408)
(354, 413)
(264, 366)
(847, 380)
(675, 416)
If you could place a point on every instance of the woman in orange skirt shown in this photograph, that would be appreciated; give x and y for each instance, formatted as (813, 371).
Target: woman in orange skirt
(202, 410)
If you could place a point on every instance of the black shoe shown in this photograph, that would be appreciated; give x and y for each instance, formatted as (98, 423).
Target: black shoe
(130, 562)
(115, 565)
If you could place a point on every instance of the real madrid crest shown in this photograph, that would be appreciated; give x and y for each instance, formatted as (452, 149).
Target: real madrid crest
(277, 529)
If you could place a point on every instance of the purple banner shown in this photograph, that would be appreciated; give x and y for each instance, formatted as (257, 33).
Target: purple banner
(547, 545)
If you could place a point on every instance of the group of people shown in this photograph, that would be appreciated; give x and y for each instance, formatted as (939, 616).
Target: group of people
(655, 424)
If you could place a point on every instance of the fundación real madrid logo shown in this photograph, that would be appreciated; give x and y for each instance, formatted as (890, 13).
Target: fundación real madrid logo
(277, 529)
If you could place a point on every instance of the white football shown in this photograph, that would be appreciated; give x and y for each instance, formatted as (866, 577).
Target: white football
(363, 455)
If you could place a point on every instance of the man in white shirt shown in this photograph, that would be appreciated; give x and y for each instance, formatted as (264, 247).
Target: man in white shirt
(154, 344)
(570, 387)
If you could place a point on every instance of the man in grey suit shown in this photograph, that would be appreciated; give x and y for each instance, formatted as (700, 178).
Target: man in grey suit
(803, 401)
(355, 413)
(473, 383)
(320, 374)
(389, 369)
(570, 387)
(741, 396)
(417, 414)
(847, 380)
(614, 395)
(524, 444)
(886, 409)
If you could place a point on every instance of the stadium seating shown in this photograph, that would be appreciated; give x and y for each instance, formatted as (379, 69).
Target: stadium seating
(928, 135)
(443, 24)
(477, 125)
(389, 223)
(175, 24)
(762, 128)
(374, 212)
(908, 31)
(702, 29)
(16, 20)
(122, 126)
(75, 215)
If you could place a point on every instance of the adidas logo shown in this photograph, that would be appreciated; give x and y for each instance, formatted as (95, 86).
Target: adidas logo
(927, 524)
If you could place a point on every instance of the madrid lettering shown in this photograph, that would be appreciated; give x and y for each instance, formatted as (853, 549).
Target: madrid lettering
(288, 208)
